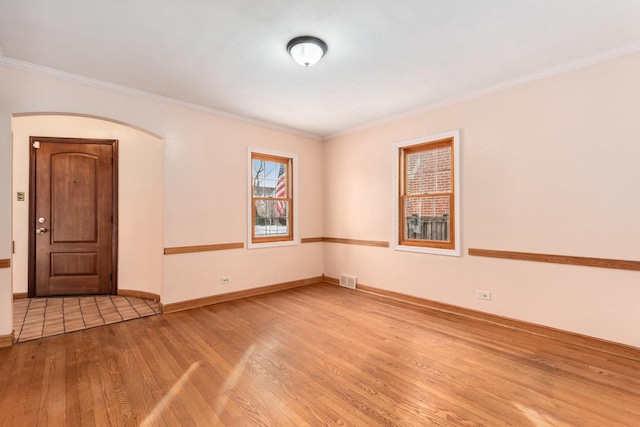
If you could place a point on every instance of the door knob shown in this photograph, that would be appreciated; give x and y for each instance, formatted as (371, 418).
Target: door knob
(41, 230)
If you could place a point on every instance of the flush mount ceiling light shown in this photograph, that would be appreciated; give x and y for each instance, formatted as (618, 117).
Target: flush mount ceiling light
(306, 50)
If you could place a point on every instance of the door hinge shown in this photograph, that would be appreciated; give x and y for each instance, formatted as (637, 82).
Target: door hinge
(36, 144)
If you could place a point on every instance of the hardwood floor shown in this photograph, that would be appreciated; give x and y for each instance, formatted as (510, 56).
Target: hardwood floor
(316, 355)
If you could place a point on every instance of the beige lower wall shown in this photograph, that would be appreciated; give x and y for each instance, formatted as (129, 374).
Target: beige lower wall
(248, 268)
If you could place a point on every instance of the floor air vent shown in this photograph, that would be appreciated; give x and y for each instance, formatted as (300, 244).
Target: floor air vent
(347, 281)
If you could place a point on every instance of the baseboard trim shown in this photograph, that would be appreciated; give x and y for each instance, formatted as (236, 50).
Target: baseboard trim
(331, 280)
(20, 295)
(138, 294)
(586, 341)
(6, 340)
(230, 296)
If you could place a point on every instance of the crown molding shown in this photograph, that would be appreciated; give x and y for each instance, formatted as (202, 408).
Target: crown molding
(518, 81)
(147, 96)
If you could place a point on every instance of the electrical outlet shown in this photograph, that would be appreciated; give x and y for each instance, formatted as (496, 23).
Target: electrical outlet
(483, 295)
(225, 280)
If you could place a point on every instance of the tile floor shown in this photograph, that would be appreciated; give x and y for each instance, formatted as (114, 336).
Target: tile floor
(35, 318)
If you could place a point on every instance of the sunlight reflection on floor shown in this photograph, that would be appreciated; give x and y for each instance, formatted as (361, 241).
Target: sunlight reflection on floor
(223, 395)
(536, 419)
(166, 400)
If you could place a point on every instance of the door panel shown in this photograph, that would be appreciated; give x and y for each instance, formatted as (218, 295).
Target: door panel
(74, 190)
(72, 210)
(68, 264)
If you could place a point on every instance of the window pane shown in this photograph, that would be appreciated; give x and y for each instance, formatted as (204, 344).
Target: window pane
(414, 174)
(269, 179)
(281, 183)
(442, 162)
(269, 187)
(429, 171)
(427, 218)
(271, 218)
(257, 175)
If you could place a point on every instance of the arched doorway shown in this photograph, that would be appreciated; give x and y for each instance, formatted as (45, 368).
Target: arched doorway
(140, 196)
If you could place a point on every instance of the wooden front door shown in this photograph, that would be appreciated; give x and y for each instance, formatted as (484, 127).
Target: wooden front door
(72, 217)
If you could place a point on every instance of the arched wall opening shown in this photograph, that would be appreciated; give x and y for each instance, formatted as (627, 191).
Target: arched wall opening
(140, 196)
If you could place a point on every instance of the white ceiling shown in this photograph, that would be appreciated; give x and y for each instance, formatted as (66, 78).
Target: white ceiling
(385, 57)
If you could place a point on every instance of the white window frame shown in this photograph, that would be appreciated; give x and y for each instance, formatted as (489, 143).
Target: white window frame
(397, 151)
(294, 214)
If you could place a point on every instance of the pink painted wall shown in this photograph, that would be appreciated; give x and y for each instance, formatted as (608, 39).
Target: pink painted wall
(550, 166)
(202, 186)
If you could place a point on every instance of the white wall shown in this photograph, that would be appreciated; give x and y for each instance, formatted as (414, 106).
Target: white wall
(204, 185)
(140, 219)
(547, 167)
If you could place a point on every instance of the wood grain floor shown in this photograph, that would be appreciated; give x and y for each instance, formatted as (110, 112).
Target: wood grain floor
(317, 355)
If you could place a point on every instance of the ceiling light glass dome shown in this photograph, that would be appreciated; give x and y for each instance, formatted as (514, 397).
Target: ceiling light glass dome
(307, 50)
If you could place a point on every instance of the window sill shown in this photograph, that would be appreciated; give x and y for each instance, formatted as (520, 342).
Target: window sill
(432, 251)
(272, 244)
